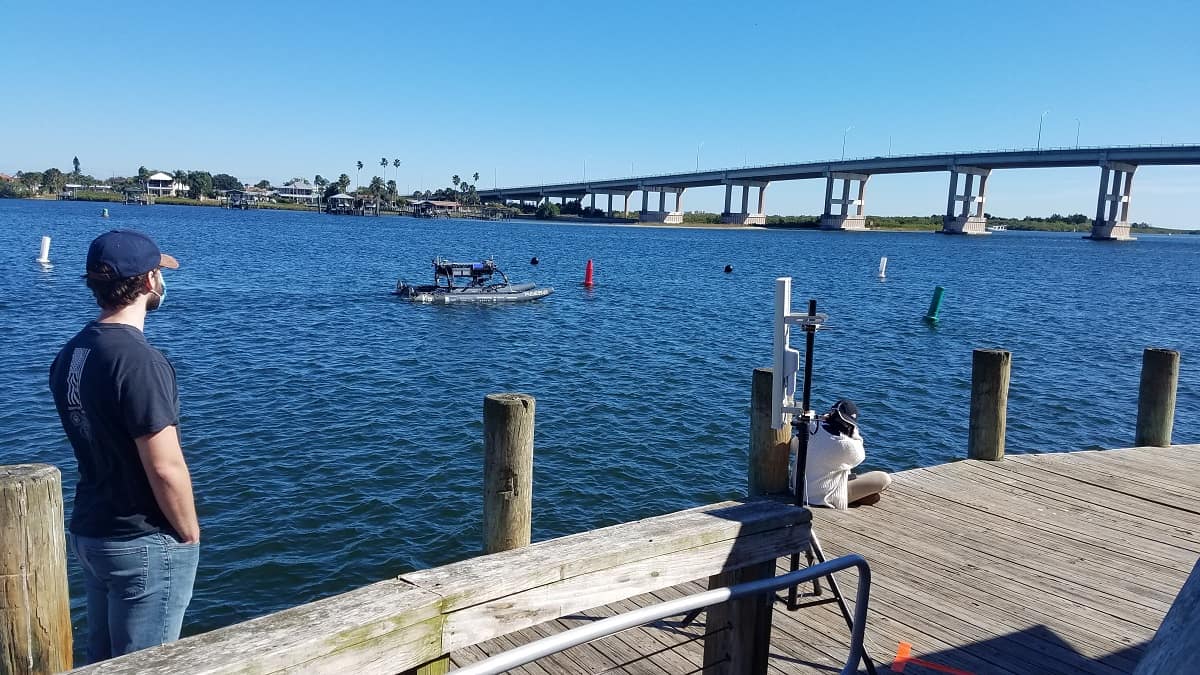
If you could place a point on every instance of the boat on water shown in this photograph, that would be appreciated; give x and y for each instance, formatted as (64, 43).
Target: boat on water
(469, 282)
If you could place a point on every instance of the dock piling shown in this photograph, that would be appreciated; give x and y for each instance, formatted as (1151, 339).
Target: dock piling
(1156, 397)
(990, 370)
(507, 471)
(35, 607)
(768, 466)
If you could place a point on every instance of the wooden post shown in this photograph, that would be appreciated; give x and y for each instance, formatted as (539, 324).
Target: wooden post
(35, 607)
(507, 471)
(1156, 397)
(737, 635)
(768, 469)
(990, 369)
(507, 484)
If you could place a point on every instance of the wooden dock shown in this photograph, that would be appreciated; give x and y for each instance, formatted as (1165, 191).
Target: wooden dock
(1053, 563)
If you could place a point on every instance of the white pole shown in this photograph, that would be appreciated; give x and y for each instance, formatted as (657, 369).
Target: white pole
(883, 267)
(783, 307)
(44, 255)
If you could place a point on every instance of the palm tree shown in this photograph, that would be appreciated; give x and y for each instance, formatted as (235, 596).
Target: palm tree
(384, 163)
(456, 180)
(358, 176)
(475, 176)
(377, 187)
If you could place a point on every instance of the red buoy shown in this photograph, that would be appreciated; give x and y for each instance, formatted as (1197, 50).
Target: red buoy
(587, 275)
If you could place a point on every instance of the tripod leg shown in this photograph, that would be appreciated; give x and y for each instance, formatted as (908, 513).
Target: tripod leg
(792, 603)
(841, 601)
(808, 553)
(690, 617)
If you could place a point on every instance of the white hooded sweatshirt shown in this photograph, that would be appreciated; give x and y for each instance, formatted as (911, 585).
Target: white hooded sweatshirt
(830, 459)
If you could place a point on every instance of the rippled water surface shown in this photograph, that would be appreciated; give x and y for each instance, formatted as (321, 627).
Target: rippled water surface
(334, 433)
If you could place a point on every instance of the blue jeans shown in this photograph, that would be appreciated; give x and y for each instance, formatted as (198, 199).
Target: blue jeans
(137, 591)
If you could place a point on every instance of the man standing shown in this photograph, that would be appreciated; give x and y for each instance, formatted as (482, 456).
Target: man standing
(133, 527)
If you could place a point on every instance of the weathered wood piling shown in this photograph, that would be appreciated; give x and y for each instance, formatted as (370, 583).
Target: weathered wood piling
(35, 609)
(507, 471)
(990, 370)
(768, 447)
(1156, 397)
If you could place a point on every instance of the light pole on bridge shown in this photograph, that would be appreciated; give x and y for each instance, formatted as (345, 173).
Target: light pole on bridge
(844, 134)
(698, 148)
(1040, 120)
(1076, 133)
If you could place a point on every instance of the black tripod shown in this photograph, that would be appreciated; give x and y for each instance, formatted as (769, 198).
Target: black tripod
(799, 445)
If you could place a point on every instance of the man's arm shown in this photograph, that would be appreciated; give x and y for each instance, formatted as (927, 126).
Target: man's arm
(162, 459)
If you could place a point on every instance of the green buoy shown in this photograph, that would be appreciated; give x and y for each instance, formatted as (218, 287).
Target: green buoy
(935, 305)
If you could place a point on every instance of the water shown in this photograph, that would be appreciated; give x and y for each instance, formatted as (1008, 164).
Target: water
(334, 433)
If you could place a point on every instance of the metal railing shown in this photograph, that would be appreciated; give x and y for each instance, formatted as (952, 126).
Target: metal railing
(583, 634)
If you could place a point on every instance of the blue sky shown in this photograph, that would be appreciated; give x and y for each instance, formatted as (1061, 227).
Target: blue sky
(532, 92)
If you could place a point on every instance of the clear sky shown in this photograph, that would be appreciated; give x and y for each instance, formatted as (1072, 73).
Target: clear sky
(527, 93)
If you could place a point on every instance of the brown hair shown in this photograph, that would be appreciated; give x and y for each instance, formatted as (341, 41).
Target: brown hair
(117, 293)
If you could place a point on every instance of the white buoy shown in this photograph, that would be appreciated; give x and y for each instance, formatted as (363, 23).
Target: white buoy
(44, 255)
(104, 213)
(883, 267)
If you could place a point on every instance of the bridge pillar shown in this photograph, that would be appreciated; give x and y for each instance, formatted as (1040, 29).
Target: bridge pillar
(1112, 206)
(610, 211)
(593, 201)
(970, 218)
(661, 215)
(851, 216)
(744, 217)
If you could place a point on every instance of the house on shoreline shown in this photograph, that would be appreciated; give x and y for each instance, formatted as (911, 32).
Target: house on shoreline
(298, 191)
(164, 185)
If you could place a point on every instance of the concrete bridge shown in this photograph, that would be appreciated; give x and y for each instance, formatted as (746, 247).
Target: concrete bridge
(846, 185)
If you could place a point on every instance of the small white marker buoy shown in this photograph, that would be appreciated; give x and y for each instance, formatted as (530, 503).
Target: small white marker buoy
(883, 267)
(44, 254)
(104, 213)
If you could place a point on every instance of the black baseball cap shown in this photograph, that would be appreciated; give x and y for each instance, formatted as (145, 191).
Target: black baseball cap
(846, 411)
(121, 254)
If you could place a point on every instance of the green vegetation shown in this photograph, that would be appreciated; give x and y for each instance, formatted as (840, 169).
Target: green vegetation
(547, 210)
(186, 201)
(97, 196)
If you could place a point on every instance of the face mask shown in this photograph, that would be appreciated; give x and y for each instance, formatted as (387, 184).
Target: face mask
(160, 295)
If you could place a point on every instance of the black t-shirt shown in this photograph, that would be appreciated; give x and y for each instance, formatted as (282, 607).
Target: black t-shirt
(110, 387)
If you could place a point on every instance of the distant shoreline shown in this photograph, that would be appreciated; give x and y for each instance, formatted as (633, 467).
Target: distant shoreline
(1012, 225)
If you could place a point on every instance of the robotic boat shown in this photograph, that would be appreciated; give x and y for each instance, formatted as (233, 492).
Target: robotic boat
(469, 282)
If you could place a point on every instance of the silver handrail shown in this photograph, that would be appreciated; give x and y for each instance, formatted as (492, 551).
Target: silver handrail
(576, 636)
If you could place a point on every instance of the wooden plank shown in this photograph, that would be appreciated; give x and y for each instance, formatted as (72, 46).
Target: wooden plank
(1150, 591)
(1011, 533)
(887, 626)
(976, 630)
(1100, 522)
(1001, 587)
(479, 580)
(649, 641)
(1125, 513)
(535, 605)
(1056, 493)
(383, 628)
(1012, 611)
(1135, 476)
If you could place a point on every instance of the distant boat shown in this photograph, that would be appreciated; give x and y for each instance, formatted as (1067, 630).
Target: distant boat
(997, 228)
